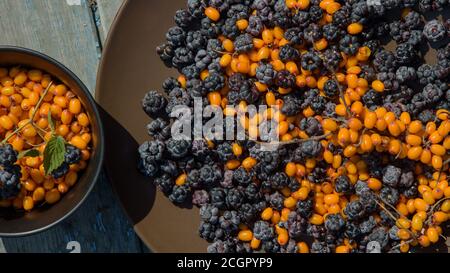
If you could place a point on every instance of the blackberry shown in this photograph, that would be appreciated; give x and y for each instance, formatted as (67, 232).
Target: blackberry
(178, 148)
(152, 150)
(331, 32)
(285, 79)
(238, 11)
(179, 194)
(159, 129)
(405, 74)
(294, 35)
(434, 31)
(208, 232)
(271, 246)
(426, 74)
(343, 185)
(219, 246)
(331, 88)
(227, 181)
(415, 37)
(332, 58)
(279, 180)
(276, 201)
(10, 182)
(229, 222)
(177, 97)
(190, 72)
(288, 53)
(315, 13)
(349, 44)
(225, 151)
(311, 126)
(265, 73)
(164, 183)
(318, 175)
(8, 156)
(148, 168)
(312, 33)
(368, 225)
(230, 29)
(341, 17)
(176, 36)
(393, 233)
(202, 59)
(263, 231)
(213, 47)
(243, 43)
(352, 231)
(354, 210)
(196, 7)
(220, 5)
(255, 26)
(210, 29)
(252, 192)
(391, 175)
(405, 53)
(247, 213)
(310, 149)
(317, 232)
(217, 197)
(313, 99)
(389, 80)
(320, 247)
(396, 29)
(182, 57)
(311, 61)
(305, 208)
(291, 105)
(334, 222)
(169, 84)
(389, 195)
(385, 61)
(301, 19)
(413, 20)
(242, 177)
(61, 171)
(234, 199)
(210, 175)
(214, 82)
(426, 116)
(209, 214)
(379, 235)
(153, 103)
(296, 225)
(183, 18)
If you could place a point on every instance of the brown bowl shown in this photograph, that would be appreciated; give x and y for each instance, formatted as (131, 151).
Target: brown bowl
(13, 223)
(129, 68)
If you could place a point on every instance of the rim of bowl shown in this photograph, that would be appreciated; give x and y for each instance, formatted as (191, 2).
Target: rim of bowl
(100, 145)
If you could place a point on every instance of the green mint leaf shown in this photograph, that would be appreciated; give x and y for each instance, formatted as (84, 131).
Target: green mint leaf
(51, 122)
(29, 153)
(54, 154)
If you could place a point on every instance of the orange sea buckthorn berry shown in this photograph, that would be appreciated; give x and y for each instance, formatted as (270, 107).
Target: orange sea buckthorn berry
(316, 219)
(245, 235)
(413, 140)
(302, 247)
(354, 28)
(332, 7)
(212, 13)
(374, 184)
(432, 234)
(341, 110)
(378, 86)
(242, 24)
(436, 162)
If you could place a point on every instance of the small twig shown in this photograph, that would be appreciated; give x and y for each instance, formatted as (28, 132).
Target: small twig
(297, 140)
(386, 210)
(403, 243)
(433, 208)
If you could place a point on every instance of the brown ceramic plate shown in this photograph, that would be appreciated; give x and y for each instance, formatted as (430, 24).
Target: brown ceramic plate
(129, 68)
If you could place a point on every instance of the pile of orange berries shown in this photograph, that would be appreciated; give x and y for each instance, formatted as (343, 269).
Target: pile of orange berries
(22, 90)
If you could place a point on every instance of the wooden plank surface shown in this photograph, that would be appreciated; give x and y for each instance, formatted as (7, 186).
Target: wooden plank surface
(65, 30)
(107, 10)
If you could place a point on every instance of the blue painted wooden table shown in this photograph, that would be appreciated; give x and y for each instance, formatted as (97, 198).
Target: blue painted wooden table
(73, 32)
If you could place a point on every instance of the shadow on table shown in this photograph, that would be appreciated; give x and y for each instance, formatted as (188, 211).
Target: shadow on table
(136, 193)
